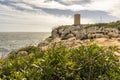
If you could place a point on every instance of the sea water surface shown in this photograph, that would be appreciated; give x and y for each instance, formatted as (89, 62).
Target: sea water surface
(10, 41)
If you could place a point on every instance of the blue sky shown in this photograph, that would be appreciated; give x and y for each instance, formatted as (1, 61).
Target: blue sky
(44, 15)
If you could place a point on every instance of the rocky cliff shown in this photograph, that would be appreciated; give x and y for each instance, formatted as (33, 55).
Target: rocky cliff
(73, 36)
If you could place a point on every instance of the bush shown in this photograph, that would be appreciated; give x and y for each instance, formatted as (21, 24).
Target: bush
(60, 63)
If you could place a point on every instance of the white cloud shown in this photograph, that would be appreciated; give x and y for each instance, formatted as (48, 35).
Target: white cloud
(110, 6)
(23, 21)
(50, 5)
(15, 20)
(23, 6)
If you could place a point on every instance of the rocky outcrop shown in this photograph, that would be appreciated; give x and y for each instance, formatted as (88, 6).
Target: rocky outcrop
(70, 35)
(85, 33)
(22, 53)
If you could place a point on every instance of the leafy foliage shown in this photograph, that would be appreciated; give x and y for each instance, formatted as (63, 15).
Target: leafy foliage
(60, 63)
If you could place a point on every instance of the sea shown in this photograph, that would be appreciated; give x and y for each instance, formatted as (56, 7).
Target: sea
(10, 41)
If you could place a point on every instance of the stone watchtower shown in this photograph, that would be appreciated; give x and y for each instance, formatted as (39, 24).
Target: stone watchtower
(77, 19)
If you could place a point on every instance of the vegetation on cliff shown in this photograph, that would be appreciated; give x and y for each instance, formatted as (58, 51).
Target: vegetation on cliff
(89, 62)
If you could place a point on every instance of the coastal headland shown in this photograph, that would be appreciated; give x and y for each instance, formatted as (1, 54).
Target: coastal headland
(103, 34)
(82, 52)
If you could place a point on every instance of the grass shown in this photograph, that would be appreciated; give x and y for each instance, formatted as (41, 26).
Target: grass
(107, 25)
(89, 62)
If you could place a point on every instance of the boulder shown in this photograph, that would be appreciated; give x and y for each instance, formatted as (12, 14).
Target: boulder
(60, 31)
(82, 34)
(99, 35)
(90, 36)
(55, 33)
(66, 31)
(75, 33)
(22, 53)
(67, 36)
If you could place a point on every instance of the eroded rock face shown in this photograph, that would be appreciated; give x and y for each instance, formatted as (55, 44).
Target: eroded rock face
(55, 33)
(67, 36)
(70, 34)
(65, 33)
(85, 33)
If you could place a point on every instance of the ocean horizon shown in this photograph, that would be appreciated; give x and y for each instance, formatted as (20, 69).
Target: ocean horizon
(10, 41)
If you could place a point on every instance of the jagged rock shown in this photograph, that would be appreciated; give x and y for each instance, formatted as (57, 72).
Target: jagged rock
(99, 36)
(67, 36)
(65, 32)
(114, 30)
(75, 33)
(55, 33)
(82, 34)
(91, 36)
(22, 53)
(61, 30)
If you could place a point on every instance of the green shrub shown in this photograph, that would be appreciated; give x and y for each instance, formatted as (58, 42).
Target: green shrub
(89, 62)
